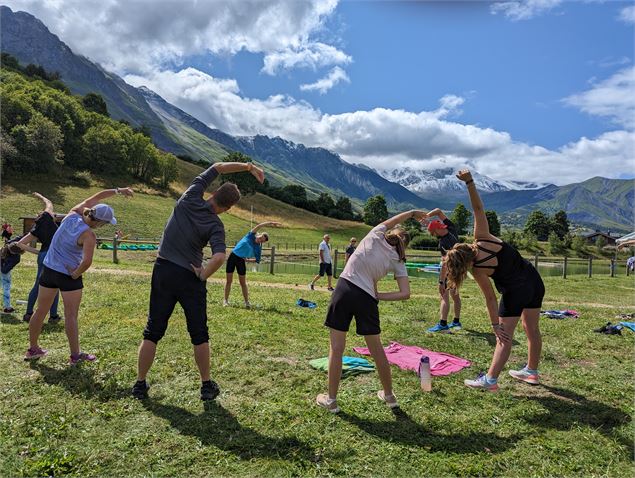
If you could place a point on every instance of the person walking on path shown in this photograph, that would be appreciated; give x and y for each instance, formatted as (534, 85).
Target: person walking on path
(250, 246)
(350, 249)
(326, 266)
(515, 278)
(445, 231)
(179, 275)
(69, 256)
(43, 230)
(382, 250)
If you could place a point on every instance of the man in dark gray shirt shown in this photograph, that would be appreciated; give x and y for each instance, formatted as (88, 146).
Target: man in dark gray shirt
(179, 276)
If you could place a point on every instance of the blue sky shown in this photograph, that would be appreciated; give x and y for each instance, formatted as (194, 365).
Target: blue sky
(537, 90)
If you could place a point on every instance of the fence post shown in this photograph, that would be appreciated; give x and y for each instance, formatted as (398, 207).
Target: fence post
(564, 268)
(612, 267)
(335, 264)
(286, 246)
(115, 260)
(273, 259)
(536, 261)
(590, 271)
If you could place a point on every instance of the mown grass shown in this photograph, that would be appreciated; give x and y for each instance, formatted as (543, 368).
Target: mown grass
(81, 421)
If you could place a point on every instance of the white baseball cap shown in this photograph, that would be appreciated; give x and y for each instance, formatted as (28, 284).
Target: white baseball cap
(105, 213)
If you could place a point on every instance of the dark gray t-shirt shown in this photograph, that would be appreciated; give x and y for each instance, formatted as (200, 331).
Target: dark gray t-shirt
(192, 225)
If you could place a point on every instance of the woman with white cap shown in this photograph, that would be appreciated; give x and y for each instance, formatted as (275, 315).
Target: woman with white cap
(69, 256)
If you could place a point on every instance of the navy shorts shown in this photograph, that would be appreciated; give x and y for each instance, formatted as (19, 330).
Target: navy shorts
(325, 268)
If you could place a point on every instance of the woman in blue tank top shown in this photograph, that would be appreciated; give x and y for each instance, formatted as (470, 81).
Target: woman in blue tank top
(69, 256)
(518, 282)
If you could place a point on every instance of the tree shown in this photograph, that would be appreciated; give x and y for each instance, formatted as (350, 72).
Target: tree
(8, 152)
(325, 204)
(105, 150)
(578, 244)
(247, 183)
(344, 208)
(560, 224)
(38, 143)
(556, 245)
(9, 61)
(94, 102)
(461, 218)
(513, 238)
(295, 195)
(600, 242)
(538, 224)
(167, 168)
(375, 210)
(494, 224)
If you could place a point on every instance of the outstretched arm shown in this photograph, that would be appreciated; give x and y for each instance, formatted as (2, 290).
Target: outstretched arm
(100, 196)
(481, 226)
(437, 212)
(228, 168)
(48, 205)
(268, 223)
(624, 244)
(404, 216)
(403, 294)
(25, 241)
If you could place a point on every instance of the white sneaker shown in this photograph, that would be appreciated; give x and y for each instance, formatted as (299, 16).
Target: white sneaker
(247, 305)
(225, 303)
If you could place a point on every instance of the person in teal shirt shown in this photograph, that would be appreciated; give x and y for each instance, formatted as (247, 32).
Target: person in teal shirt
(250, 246)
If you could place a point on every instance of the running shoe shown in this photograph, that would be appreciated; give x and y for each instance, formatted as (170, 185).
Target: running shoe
(81, 357)
(482, 384)
(140, 390)
(26, 317)
(330, 404)
(54, 319)
(330, 289)
(389, 400)
(524, 376)
(444, 329)
(209, 390)
(455, 325)
(35, 353)
(247, 305)
(9, 310)
(311, 286)
(225, 303)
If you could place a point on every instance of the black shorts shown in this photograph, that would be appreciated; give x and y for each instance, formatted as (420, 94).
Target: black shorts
(172, 284)
(325, 268)
(235, 262)
(528, 295)
(350, 301)
(56, 280)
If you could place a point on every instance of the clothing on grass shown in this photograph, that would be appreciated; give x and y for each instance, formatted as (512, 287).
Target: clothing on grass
(374, 258)
(306, 303)
(561, 314)
(629, 325)
(408, 357)
(350, 365)
(247, 247)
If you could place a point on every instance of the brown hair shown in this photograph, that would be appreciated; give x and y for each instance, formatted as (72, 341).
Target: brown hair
(457, 261)
(399, 239)
(227, 195)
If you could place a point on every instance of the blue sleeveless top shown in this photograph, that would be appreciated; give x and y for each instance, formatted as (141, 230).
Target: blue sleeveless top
(64, 252)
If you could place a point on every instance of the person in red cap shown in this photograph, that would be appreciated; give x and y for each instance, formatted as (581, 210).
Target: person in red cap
(445, 231)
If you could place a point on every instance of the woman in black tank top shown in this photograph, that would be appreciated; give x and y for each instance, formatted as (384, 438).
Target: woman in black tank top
(517, 281)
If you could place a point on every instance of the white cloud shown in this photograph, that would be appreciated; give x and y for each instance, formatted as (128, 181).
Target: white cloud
(136, 37)
(613, 98)
(385, 138)
(335, 76)
(523, 9)
(313, 56)
(627, 14)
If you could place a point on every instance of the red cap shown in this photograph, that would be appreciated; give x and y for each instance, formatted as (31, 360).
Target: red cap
(436, 224)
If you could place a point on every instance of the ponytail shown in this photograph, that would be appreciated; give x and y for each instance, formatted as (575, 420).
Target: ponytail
(399, 239)
(458, 260)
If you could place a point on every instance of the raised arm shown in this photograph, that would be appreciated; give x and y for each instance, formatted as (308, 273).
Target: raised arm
(228, 168)
(624, 244)
(48, 205)
(268, 223)
(481, 226)
(25, 241)
(437, 212)
(100, 196)
(404, 216)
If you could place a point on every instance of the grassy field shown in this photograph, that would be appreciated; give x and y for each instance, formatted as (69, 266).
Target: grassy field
(81, 421)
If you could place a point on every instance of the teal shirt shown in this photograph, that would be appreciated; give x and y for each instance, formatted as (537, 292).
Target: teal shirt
(247, 247)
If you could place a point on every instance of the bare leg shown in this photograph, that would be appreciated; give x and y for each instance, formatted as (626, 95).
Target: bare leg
(502, 351)
(531, 319)
(243, 286)
(201, 356)
(315, 279)
(228, 284)
(381, 362)
(456, 298)
(338, 342)
(444, 308)
(330, 281)
(45, 299)
(147, 351)
(72, 299)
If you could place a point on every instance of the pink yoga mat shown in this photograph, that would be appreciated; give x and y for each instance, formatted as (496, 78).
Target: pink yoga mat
(407, 357)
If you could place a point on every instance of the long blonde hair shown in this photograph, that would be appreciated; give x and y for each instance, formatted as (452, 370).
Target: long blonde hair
(458, 261)
(399, 239)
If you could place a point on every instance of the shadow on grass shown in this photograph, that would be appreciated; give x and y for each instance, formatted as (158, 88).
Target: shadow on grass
(406, 431)
(568, 409)
(9, 319)
(80, 380)
(489, 336)
(217, 427)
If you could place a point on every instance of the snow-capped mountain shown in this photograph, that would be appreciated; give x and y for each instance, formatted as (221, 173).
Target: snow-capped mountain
(443, 182)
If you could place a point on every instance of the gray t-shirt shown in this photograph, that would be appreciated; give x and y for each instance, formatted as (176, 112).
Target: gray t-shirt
(192, 225)
(326, 252)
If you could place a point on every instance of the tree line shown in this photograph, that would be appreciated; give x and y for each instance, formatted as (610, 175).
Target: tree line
(42, 126)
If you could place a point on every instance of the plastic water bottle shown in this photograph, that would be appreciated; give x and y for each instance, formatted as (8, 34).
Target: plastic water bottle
(424, 374)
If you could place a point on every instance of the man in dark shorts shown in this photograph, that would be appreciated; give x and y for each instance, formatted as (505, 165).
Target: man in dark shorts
(326, 266)
(445, 231)
(179, 274)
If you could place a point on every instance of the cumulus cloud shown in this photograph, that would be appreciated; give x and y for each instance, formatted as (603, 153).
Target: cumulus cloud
(138, 36)
(627, 14)
(613, 98)
(385, 138)
(335, 76)
(523, 9)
